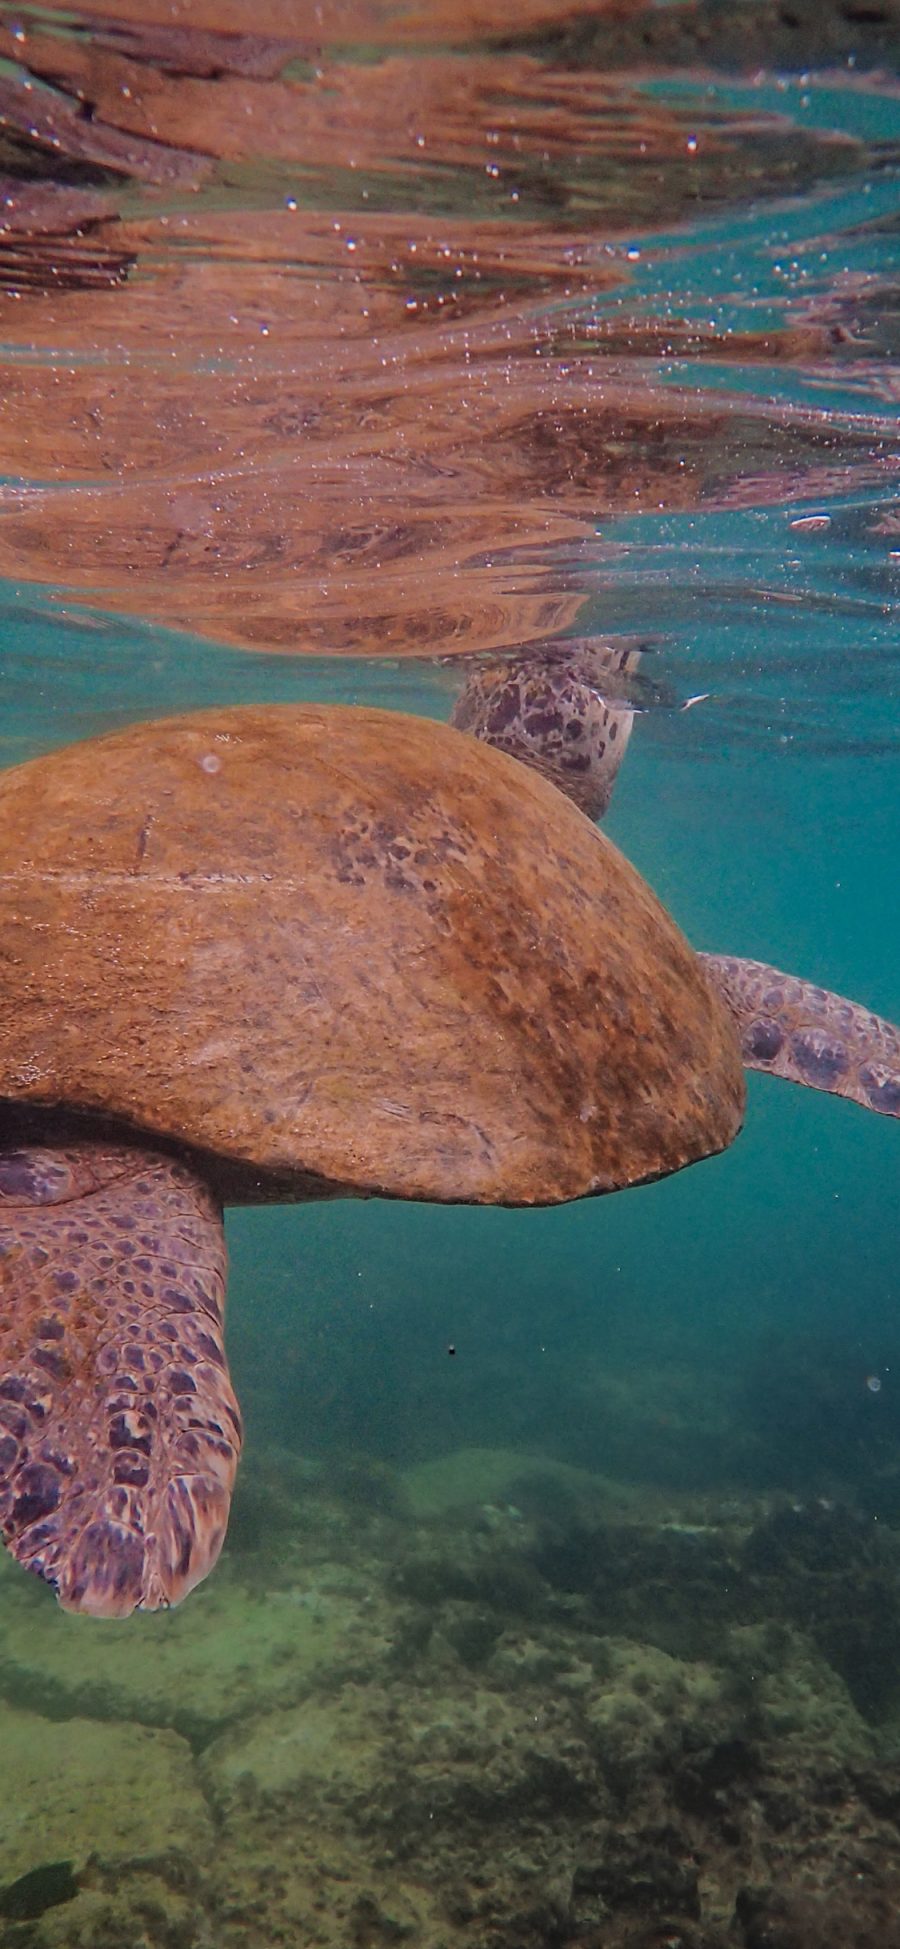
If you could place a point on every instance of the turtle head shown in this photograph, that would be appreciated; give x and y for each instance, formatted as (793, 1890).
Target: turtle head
(563, 709)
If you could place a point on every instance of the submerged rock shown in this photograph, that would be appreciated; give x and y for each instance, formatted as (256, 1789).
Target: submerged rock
(229, 1653)
(423, 1737)
(100, 1822)
(85, 1791)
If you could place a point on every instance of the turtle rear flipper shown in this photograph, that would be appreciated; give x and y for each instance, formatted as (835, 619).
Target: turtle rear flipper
(119, 1431)
(794, 1029)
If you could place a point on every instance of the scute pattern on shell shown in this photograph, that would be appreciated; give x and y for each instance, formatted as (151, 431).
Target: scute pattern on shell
(351, 947)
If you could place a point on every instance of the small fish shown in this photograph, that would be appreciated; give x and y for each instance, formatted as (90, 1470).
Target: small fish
(702, 697)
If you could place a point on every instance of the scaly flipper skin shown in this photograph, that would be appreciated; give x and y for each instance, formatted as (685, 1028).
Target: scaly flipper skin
(559, 710)
(793, 1029)
(119, 1431)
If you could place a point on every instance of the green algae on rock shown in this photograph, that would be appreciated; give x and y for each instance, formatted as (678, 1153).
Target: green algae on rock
(229, 1655)
(113, 1799)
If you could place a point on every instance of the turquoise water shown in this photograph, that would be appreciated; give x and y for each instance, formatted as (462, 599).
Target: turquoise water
(564, 1570)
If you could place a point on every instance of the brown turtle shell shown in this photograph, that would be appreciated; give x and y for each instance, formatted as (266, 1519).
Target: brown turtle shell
(349, 950)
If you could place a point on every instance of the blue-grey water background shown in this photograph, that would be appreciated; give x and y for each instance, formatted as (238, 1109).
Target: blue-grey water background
(717, 1334)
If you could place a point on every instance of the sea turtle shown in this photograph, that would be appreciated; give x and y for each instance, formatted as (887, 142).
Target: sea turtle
(291, 952)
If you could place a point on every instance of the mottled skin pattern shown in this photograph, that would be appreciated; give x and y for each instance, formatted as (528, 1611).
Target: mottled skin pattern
(119, 1431)
(794, 1029)
(560, 711)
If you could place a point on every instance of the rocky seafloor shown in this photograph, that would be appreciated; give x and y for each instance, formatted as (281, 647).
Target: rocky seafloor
(490, 1701)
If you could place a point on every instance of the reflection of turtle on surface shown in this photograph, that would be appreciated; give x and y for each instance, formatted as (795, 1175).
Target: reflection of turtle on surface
(283, 953)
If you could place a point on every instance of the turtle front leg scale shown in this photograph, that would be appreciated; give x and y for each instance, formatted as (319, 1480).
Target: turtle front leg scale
(793, 1028)
(119, 1429)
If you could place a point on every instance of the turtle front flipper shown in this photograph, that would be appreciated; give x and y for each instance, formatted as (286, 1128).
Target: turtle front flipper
(794, 1029)
(119, 1430)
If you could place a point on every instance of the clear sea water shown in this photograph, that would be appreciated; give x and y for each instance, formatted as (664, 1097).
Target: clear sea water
(709, 1343)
